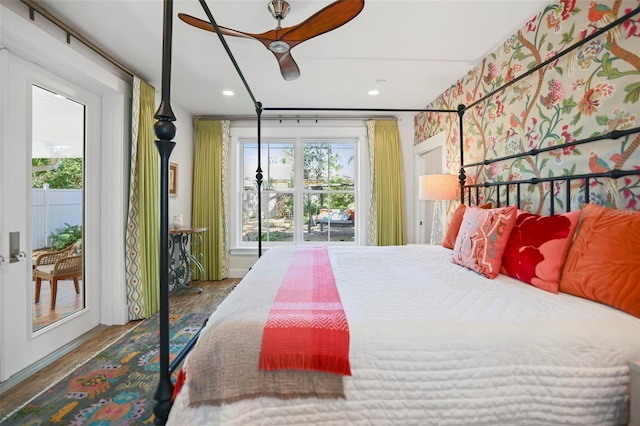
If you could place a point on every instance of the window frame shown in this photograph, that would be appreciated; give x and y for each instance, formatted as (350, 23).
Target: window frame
(354, 133)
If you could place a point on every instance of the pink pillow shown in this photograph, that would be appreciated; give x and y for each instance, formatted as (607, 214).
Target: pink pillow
(482, 238)
(454, 225)
(537, 248)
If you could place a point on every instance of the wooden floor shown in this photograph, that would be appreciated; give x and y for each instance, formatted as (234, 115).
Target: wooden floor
(182, 301)
(67, 303)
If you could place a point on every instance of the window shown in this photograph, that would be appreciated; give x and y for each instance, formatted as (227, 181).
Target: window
(308, 190)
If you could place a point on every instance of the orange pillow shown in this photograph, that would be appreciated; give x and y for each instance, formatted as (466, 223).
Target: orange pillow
(603, 264)
(482, 238)
(454, 225)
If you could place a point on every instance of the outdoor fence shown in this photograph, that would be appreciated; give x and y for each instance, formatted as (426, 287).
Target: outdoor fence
(53, 209)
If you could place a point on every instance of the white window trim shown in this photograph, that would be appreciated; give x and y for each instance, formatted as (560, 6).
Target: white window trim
(321, 130)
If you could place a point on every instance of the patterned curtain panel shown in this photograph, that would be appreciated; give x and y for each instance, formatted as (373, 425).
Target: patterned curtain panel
(210, 173)
(388, 183)
(371, 224)
(143, 222)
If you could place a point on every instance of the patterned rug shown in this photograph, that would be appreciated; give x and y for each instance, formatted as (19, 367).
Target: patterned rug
(116, 386)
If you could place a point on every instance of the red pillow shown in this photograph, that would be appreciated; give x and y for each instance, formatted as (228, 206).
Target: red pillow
(537, 248)
(454, 225)
(482, 238)
(603, 263)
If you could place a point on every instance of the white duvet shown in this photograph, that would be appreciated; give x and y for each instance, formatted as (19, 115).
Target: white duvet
(435, 343)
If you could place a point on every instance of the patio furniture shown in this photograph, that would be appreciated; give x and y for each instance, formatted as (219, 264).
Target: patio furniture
(334, 217)
(65, 264)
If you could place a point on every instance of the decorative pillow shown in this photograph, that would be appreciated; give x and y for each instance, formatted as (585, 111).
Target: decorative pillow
(482, 238)
(351, 214)
(324, 214)
(603, 263)
(537, 248)
(454, 225)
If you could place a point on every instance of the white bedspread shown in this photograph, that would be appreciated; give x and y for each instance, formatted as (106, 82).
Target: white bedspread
(435, 343)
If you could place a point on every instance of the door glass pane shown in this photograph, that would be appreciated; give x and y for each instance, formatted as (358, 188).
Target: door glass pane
(58, 135)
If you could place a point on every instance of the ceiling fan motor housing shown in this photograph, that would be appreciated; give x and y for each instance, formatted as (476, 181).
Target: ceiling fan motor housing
(278, 9)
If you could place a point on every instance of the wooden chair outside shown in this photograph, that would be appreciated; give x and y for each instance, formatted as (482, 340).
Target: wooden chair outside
(64, 264)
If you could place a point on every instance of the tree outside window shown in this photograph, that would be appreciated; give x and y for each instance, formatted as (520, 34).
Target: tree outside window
(327, 192)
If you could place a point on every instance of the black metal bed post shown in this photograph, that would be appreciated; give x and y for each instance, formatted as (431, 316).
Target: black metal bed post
(164, 130)
(259, 177)
(462, 175)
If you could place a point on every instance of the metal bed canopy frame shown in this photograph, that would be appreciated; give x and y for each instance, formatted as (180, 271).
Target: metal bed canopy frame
(165, 131)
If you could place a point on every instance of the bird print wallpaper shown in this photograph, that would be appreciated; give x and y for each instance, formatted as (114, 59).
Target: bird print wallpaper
(591, 90)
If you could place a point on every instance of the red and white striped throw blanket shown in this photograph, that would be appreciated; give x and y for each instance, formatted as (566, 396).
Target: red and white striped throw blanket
(306, 328)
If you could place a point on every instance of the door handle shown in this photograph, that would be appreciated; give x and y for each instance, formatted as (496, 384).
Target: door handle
(2, 259)
(17, 257)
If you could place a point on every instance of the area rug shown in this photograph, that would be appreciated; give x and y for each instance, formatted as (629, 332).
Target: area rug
(116, 386)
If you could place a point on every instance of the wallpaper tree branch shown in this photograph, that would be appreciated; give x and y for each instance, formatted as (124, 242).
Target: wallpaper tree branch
(591, 90)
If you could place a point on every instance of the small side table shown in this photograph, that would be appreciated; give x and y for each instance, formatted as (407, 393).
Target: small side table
(184, 256)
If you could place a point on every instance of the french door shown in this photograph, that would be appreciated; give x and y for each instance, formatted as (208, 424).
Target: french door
(22, 342)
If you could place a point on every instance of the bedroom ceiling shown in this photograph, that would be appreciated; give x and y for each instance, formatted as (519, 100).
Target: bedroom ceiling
(410, 51)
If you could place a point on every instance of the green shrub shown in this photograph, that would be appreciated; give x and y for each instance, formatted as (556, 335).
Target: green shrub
(65, 236)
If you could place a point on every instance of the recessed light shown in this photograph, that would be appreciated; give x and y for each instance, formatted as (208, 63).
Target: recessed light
(228, 92)
(374, 92)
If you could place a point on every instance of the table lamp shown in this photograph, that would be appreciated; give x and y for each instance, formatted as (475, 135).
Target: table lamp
(438, 188)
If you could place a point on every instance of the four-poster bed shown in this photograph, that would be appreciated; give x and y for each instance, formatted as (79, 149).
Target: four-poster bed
(431, 341)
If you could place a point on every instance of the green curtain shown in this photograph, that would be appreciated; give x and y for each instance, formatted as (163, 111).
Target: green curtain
(143, 222)
(209, 205)
(388, 183)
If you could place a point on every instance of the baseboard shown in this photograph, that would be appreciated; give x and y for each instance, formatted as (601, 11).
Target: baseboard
(237, 273)
(53, 356)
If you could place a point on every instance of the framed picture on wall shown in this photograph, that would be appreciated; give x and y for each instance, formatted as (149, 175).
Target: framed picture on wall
(173, 180)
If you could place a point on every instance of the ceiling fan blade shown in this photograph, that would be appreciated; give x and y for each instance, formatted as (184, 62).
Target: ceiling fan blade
(288, 67)
(331, 17)
(265, 38)
(206, 25)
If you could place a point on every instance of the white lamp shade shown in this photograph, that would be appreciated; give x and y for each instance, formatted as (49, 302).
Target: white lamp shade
(438, 187)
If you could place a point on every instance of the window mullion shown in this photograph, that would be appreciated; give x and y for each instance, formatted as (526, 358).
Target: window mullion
(298, 190)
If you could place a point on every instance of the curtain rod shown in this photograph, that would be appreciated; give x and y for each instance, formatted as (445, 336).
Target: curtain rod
(293, 117)
(33, 6)
(357, 109)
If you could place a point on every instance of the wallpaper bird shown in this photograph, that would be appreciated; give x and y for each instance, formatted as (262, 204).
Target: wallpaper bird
(598, 16)
(598, 165)
(601, 15)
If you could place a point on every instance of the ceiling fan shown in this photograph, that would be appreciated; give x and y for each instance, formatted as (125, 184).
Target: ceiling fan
(280, 41)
